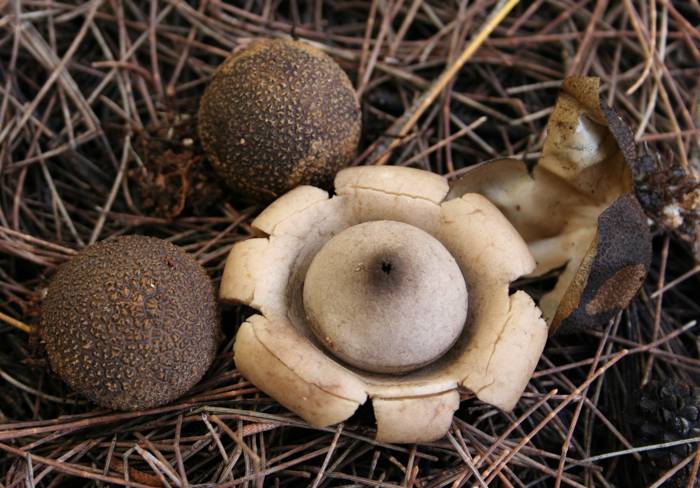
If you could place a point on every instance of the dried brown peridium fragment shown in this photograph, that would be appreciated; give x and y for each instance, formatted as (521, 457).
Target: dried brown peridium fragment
(430, 290)
(576, 208)
(670, 196)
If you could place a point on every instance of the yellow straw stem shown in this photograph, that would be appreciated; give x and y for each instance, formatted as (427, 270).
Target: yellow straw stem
(406, 122)
(16, 323)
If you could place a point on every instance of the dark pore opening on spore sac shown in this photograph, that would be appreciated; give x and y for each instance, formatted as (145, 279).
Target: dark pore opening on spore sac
(385, 271)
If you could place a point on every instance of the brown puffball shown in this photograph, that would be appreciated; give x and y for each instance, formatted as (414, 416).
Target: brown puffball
(131, 322)
(278, 114)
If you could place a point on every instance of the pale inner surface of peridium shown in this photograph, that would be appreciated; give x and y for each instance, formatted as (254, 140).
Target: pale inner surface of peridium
(385, 297)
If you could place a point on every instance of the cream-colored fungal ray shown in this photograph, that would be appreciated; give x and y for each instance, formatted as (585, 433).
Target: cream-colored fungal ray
(504, 350)
(298, 223)
(368, 205)
(393, 180)
(307, 361)
(539, 206)
(287, 206)
(243, 271)
(576, 245)
(431, 417)
(261, 366)
(249, 279)
(402, 194)
(434, 379)
(482, 240)
(553, 252)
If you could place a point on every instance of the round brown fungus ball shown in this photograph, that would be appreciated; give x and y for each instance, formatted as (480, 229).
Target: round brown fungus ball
(278, 114)
(131, 322)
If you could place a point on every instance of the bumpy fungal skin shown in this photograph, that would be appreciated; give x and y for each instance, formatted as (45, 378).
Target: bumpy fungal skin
(278, 114)
(621, 132)
(131, 323)
(614, 268)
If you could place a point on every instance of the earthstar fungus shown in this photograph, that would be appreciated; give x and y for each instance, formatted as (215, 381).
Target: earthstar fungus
(290, 350)
(576, 209)
(328, 295)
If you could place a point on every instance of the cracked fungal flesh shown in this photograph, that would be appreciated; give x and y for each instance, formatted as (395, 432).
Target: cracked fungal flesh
(494, 354)
(576, 209)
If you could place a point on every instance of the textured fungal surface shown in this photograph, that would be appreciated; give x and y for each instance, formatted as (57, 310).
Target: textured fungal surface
(130, 323)
(277, 114)
(385, 297)
(418, 259)
(613, 270)
(576, 209)
(98, 131)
